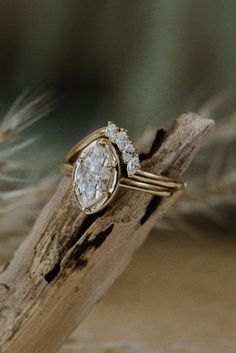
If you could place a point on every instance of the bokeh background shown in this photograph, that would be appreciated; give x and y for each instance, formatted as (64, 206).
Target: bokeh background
(141, 64)
(132, 61)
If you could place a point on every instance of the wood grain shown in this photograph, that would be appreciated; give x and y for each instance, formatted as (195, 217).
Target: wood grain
(69, 260)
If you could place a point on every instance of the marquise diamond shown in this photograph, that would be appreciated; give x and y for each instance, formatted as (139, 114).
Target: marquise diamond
(111, 131)
(122, 140)
(94, 179)
(128, 152)
(133, 165)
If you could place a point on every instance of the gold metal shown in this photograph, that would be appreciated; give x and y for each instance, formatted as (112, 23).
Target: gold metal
(73, 153)
(113, 183)
(141, 181)
(66, 169)
(145, 187)
(158, 180)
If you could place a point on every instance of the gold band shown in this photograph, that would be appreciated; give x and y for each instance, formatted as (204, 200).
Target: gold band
(73, 153)
(143, 181)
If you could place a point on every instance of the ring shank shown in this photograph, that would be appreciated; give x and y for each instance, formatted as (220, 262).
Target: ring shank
(143, 181)
(152, 183)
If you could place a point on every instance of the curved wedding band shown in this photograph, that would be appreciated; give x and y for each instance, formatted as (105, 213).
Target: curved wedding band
(105, 160)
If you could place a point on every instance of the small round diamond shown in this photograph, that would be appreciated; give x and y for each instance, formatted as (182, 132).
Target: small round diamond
(133, 165)
(128, 152)
(111, 132)
(122, 140)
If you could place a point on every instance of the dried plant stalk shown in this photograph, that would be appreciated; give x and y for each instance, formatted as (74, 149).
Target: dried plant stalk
(69, 260)
(21, 196)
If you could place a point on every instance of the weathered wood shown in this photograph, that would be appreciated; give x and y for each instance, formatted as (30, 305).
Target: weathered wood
(69, 260)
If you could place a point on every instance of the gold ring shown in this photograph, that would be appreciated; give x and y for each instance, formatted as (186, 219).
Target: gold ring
(105, 160)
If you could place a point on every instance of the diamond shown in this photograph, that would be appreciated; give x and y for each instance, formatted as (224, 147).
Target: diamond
(94, 179)
(133, 165)
(122, 140)
(111, 131)
(128, 152)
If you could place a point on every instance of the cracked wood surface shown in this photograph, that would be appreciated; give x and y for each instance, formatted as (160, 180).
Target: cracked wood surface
(69, 259)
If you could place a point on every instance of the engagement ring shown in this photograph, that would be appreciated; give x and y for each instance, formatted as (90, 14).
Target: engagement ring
(104, 161)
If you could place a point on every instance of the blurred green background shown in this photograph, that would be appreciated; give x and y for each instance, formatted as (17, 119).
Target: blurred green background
(139, 63)
(135, 62)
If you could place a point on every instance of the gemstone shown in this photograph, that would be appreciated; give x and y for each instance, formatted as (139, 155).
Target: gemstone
(128, 152)
(94, 179)
(122, 140)
(133, 165)
(111, 132)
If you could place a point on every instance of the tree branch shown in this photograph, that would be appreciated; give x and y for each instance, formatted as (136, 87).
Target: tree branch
(69, 260)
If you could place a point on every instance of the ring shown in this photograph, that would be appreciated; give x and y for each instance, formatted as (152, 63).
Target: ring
(105, 160)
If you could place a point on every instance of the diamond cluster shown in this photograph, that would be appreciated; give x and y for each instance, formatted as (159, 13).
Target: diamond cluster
(120, 137)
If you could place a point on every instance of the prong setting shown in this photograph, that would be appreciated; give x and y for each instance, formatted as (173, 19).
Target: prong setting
(96, 175)
(120, 138)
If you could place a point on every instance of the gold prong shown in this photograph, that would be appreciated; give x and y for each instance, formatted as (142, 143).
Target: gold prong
(101, 143)
(111, 165)
(111, 122)
(79, 160)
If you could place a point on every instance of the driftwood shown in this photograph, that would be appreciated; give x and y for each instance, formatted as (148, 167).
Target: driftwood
(69, 260)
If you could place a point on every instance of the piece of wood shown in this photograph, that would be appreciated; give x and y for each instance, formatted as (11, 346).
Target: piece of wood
(69, 260)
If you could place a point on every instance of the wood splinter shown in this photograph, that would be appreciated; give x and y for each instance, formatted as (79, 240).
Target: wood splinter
(69, 259)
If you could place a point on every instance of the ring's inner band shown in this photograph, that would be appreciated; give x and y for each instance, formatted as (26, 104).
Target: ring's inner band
(143, 181)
